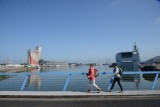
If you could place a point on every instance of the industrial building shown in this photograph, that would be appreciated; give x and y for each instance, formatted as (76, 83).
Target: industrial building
(34, 56)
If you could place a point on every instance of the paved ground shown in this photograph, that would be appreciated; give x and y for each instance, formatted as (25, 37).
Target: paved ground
(81, 102)
(80, 99)
(62, 94)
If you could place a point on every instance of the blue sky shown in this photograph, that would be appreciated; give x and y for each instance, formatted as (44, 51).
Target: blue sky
(78, 30)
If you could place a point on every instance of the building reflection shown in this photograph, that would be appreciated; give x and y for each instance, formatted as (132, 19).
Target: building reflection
(150, 77)
(34, 81)
(132, 78)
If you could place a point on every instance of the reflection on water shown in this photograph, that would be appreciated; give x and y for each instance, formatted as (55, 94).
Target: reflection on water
(132, 78)
(3, 77)
(150, 77)
(34, 80)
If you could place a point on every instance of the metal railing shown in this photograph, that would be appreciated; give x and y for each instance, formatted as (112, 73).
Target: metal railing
(70, 75)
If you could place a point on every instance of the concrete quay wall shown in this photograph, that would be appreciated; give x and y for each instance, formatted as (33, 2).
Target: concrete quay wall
(16, 69)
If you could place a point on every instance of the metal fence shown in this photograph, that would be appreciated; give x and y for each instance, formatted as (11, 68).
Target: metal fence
(73, 81)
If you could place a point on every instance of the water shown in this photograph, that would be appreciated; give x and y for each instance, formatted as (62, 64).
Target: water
(56, 82)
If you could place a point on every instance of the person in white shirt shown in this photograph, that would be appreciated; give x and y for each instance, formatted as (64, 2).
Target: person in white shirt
(117, 77)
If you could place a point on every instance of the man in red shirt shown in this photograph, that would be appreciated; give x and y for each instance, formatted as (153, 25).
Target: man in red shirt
(92, 78)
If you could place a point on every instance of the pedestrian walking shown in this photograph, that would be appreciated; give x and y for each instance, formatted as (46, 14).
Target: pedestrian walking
(91, 76)
(117, 77)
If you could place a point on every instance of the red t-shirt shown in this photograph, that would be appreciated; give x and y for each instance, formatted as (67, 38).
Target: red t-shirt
(92, 73)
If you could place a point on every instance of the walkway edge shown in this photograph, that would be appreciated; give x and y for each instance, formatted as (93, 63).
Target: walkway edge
(70, 94)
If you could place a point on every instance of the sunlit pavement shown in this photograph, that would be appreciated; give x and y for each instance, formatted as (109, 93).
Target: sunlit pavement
(80, 99)
(45, 94)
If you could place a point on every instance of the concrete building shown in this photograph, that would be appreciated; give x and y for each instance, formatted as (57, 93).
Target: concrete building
(34, 56)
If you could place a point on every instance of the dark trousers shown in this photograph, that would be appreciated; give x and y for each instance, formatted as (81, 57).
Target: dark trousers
(119, 83)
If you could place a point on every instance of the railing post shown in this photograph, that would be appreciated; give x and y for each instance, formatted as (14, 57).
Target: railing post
(155, 81)
(24, 82)
(66, 84)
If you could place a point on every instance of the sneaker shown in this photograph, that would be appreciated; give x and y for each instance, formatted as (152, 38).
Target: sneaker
(99, 90)
(109, 91)
(89, 90)
(120, 92)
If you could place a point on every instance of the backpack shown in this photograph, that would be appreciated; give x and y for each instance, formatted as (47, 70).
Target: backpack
(120, 71)
(96, 73)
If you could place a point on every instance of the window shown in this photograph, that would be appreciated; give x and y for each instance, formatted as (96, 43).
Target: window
(126, 55)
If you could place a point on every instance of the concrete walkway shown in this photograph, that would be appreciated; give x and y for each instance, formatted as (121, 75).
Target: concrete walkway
(63, 94)
(146, 98)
